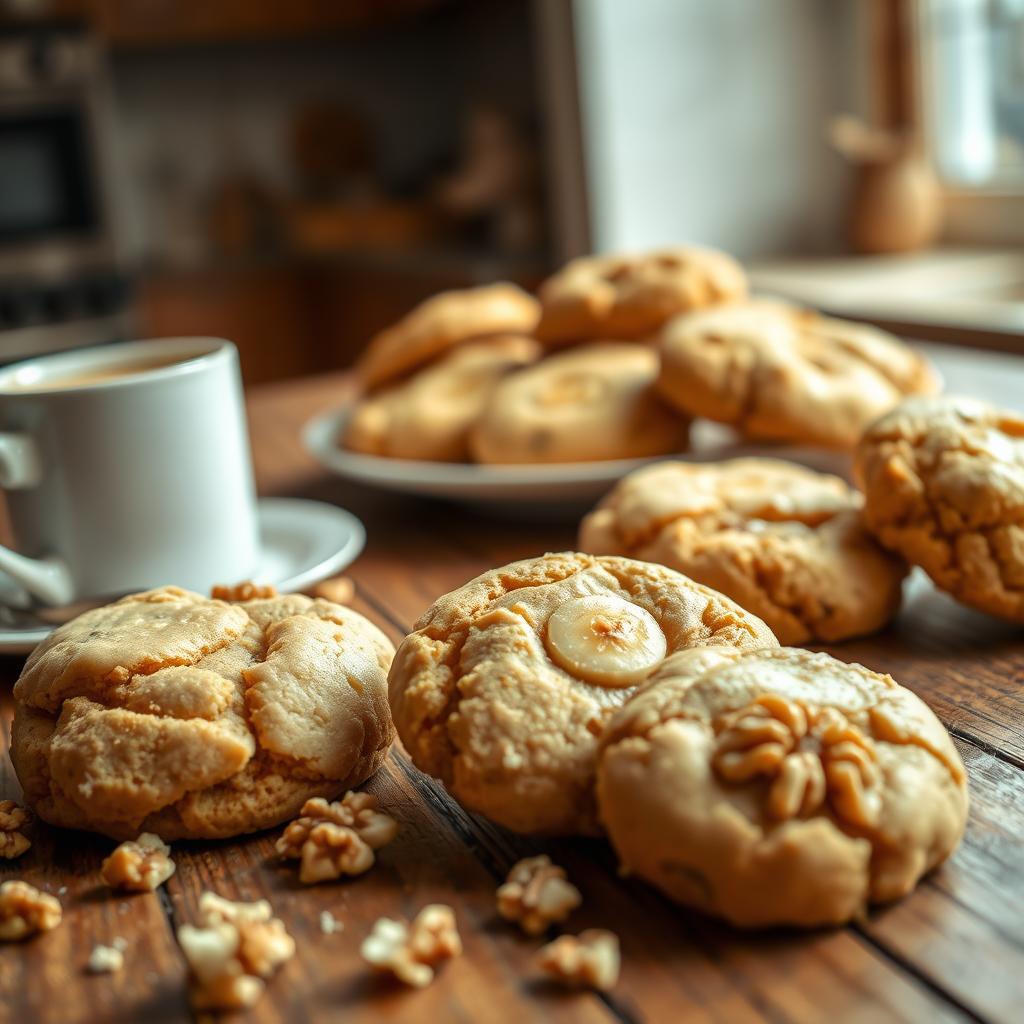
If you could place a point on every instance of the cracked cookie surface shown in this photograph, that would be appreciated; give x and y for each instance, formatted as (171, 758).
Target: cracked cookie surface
(588, 404)
(429, 416)
(629, 296)
(443, 321)
(172, 713)
(779, 373)
(783, 541)
(505, 686)
(779, 786)
(943, 481)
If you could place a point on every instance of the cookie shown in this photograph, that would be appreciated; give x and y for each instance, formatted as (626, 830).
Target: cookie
(785, 542)
(631, 296)
(442, 322)
(429, 416)
(778, 373)
(591, 403)
(505, 686)
(943, 480)
(779, 787)
(172, 713)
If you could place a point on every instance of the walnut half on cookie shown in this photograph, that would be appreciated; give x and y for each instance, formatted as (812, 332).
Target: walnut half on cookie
(504, 688)
(779, 786)
(189, 717)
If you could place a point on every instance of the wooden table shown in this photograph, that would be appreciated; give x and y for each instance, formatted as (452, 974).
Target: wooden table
(953, 950)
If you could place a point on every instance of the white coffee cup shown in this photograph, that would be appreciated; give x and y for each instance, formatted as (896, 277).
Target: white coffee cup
(126, 467)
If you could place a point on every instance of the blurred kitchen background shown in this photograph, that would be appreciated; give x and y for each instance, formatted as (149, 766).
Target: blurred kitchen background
(295, 174)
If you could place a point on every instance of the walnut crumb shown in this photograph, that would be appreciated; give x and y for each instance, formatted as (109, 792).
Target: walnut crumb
(590, 959)
(139, 866)
(13, 842)
(537, 894)
(412, 951)
(329, 924)
(235, 947)
(24, 910)
(335, 839)
(338, 590)
(105, 959)
(247, 591)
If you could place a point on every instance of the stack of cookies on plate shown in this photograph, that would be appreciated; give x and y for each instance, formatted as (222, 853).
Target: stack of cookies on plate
(613, 359)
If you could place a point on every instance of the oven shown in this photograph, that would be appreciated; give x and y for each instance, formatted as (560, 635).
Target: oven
(60, 280)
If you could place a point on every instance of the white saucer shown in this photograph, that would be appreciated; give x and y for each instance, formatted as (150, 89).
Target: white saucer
(557, 483)
(301, 543)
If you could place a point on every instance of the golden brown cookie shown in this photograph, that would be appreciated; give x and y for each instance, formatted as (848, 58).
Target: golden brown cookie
(442, 322)
(631, 296)
(779, 786)
(785, 542)
(591, 403)
(943, 480)
(429, 416)
(504, 687)
(778, 373)
(172, 713)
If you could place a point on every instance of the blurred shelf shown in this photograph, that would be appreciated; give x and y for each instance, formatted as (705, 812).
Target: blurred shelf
(471, 264)
(147, 23)
(973, 296)
(302, 314)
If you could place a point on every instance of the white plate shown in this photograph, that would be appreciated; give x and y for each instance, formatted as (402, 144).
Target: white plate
(551, 484)
(301, 542)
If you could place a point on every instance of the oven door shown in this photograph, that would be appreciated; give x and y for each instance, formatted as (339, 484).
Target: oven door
(52, 215)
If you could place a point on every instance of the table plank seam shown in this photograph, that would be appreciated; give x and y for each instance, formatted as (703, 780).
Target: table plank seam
(982, 744)
(913, 972)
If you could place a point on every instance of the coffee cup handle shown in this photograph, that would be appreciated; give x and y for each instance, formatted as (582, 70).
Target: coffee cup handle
(46, 579)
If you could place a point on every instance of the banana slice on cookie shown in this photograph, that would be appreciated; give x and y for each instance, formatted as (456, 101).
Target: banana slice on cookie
(606, 640)
(504, 688)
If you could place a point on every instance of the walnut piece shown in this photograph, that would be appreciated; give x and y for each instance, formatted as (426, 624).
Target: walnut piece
(107, 959)
(332, 839)
(247, 591)
(590, 959)
(236, 947)
(537, 894)
(13, 842)
(24, 910)
(331, 851)
(139, 866)
(813, 757)
(411, 952)
(338, 590)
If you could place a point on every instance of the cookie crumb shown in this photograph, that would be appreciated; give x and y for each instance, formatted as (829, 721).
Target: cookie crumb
(247, 591)
(411, 951)
(339, 590)
(537, 894)
(13, 818)
(105, 960)
(140, 865)
(233, 950)
(24, 911)
(590, 960)
(329, 924)
(338, 838)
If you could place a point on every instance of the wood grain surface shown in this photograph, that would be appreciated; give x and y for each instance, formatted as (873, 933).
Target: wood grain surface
(953, 950)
